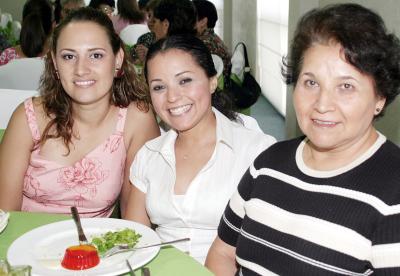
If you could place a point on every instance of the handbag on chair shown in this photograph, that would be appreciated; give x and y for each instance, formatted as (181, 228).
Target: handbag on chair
(242, 86)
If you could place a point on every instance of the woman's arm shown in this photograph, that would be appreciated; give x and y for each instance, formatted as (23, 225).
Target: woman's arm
(136, 207)
(221, 258)
(15, 152)
(142, 126)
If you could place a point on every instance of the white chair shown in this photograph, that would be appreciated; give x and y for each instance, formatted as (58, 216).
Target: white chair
(218, 64)
(22, 73)
(9, 100)
(4, 19)
(16, 28)
(131, 33)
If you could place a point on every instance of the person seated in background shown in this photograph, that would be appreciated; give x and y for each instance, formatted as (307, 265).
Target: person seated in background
(138, 52)
(327, 203)
(37, 25)
(170, 17)
(70, 146)
(106, 6)
(199, 162)
(67, 6)
(207, 17)
(128, 13)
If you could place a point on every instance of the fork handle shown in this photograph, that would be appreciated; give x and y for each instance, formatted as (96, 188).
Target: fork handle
(77, 220)
(162, 243)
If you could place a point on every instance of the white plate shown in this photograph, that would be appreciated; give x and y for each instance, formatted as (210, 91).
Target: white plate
(3, 220)
(50, 241)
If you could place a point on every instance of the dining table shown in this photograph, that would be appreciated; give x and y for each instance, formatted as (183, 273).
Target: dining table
(168, 262)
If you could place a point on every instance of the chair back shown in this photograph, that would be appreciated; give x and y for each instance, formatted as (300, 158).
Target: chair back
(4, 19)
(9, 100)
(16, 28)
(23, 73)
(131, 33)
(218, 64)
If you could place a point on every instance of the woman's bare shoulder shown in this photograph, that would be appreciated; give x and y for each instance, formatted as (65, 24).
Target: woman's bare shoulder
(138, 111)
(141, 121)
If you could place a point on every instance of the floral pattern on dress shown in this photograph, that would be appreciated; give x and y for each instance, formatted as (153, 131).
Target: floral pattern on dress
(31, 186)
(112, 144)
(83, 178)
(31, 118)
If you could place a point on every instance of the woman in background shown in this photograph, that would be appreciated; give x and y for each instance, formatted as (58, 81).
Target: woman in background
(207, 17)
(128, 13)
(170, 17)
(70, 146)
(183, 179)
(139, 50)
(106, 6)
(67, 6)
(37, 25)
(327, 203)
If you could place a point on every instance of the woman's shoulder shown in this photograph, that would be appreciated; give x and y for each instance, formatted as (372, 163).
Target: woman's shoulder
(140, 121)
(139, 110)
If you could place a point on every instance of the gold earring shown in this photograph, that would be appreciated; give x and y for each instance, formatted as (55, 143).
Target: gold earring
(57, 75)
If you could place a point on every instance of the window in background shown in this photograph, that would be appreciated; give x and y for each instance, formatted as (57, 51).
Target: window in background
(219, 27)
(272, 43)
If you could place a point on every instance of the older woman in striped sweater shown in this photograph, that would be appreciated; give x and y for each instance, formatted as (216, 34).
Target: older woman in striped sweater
(327, 203)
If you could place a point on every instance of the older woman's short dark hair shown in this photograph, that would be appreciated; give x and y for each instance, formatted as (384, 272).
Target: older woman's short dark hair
(365, 40)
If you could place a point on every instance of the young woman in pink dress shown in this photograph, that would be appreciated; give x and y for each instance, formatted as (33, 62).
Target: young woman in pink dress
(70, 146)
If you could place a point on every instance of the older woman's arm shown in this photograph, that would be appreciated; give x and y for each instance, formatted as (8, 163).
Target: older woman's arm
(221, 258)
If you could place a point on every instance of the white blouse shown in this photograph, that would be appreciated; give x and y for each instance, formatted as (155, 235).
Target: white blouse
(198, 214)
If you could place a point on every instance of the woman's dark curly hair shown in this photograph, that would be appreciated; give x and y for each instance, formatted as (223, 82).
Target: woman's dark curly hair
(201, 55)
(366, 43)
(57, 104)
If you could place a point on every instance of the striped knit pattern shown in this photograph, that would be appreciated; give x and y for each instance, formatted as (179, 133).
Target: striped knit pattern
(285, 222)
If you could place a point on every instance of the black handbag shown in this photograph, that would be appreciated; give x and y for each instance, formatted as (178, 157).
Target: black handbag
(246, 94)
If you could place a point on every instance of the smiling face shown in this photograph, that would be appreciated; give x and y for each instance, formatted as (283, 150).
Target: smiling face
(85, 62)
(180, 90)
(334, 102)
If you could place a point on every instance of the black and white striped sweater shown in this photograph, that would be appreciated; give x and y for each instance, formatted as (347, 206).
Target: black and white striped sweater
(286, 219)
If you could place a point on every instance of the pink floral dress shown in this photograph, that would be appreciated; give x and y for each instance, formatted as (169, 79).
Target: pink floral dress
(92, 184)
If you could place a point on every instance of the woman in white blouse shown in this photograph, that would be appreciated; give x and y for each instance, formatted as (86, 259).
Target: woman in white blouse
(183, 179)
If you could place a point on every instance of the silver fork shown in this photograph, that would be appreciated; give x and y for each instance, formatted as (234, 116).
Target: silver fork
(124, 247)
(130, 268)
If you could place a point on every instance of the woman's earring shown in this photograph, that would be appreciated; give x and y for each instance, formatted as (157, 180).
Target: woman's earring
(119, 72)
(57, 75)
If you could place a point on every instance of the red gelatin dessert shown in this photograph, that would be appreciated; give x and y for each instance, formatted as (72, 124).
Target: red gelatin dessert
(80, 257)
